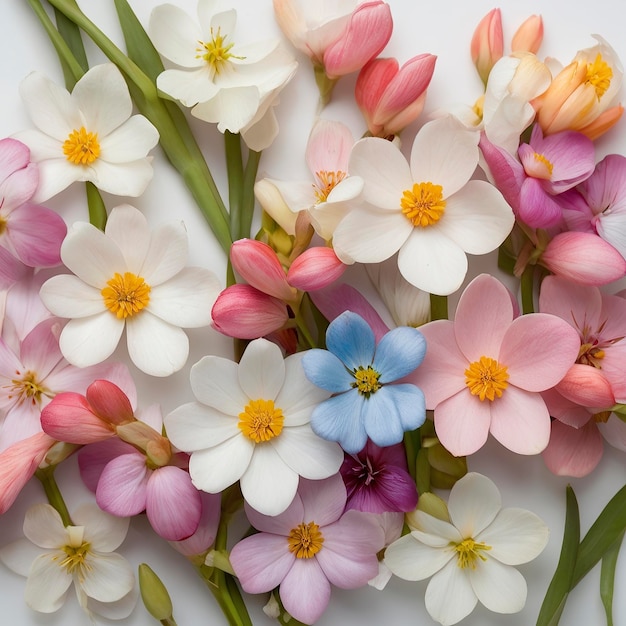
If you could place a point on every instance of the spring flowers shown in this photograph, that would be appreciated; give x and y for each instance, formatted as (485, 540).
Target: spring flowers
(368, 402)
(429, 210)
(471, 554)
(129, 278)
(252, 420)
(88, 135)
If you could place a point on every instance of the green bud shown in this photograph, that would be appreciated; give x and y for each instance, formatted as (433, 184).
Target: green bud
(155, 597)
(446, 468)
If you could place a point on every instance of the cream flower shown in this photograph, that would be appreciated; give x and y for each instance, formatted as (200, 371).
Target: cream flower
(129, 278)
(54, 556)
(88, 135)
(470, 556)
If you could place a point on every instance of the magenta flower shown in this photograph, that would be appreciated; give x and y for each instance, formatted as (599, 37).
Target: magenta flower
(308, 548)
(484, 371)
(378, 481)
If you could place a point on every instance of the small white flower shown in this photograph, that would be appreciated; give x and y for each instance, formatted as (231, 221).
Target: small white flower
(251, 420)
(88, 135)
(129, 278)
(470, 557)
(53, 557)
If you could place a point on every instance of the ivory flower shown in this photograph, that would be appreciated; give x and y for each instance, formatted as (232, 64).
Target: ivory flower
(471, 555)
(129, 278)
(88, 135)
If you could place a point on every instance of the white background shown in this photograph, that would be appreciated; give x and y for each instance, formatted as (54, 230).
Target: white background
(443, 28)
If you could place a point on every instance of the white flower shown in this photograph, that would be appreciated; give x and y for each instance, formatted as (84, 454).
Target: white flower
(470, 558)
(129, 278)
(427, 211)
(54, 556)
(251, 423)
(232, 85)
(88, 135)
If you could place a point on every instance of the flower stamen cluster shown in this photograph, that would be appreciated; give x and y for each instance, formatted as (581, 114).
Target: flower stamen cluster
(126, 295)
(326, 182)
(305, 540)
(367, 380)
(599, 74)
(81, 147)
(468, 551)
(486, 378)
(261, 420)
(423, 204)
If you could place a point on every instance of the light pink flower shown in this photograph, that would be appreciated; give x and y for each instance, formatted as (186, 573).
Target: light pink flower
(483, 371)
(528, 36)
(308, 548)
(487, 44)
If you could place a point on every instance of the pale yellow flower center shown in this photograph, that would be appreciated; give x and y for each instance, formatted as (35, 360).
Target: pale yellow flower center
(27, 387)
(261, 420)
(366, 380)
(423, 205)
(126, 295)
(590, 354)
(486, 378)
(468, 551)
(305, 540)
(327, 181)
(75, 557)
(81, 147)
(216, 52)
(599, 74)
(545, 162)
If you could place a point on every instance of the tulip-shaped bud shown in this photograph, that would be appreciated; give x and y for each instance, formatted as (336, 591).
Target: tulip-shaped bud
(247, 313)
(154, 594)
(391, 97)
(487, 43)
(315, 268)
(583, 258)
(587, 386)
(272, 203)
(529, 35)
(258, 264)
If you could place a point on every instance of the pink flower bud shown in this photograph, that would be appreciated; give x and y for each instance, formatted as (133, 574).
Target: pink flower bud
(583, 258)
(487, 43)
(259, 266)
(366, 34)
(390, 97)
(587, 386)
(109, 402)
(529, 35)
(245, 312)
(315, 268)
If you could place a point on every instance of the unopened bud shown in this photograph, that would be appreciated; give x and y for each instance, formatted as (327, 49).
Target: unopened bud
(155, 597)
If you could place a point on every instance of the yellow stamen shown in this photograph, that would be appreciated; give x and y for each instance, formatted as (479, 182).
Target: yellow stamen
(81, 147)
(216, 52)
(602, 417)
(305, 540)
(468, 551)
(261, 420)
(3, 225)
(366, 380)
(423, 205)
(327, 182)
(599, 74)
(75, 557)
(486, 378)
(126, 295)
(542, 159)
(27, 387)
(590, 354)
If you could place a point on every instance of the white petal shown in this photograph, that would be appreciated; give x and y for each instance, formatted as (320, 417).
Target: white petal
(261, 370)
(90, 340)
(214, 382)
(473, 504)
(232, 108)
(175, 35)
(126, 179)
(41, 146)
(109, 577)
(449, 596)
(166, 254)
(188, 87)
(68, 296)
(261, 132)
(435, 527)
(55, 175)
(499, 587)
(128, 228)
(43, 526)
(104, 532)
(47, 583)
(130, 142)
(19, 555)
(410, 559)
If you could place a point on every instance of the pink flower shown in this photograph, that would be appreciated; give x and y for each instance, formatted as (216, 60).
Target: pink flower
(484, 371)
(487, 43)
(308, 548)
(528, 36)
(314, 269)
(391, 97)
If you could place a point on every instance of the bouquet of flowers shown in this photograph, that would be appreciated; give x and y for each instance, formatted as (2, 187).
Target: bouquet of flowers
(294, 388)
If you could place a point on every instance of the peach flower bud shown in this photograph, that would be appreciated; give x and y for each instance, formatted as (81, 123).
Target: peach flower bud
(391, 97)
(315, 268)
(259, 266)
(583, 258)
(587, 386)
(529, 35)
(487, 43)
(272, 203)
(247, 313)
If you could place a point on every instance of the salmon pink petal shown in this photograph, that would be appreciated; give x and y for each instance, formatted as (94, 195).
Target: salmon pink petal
(314, 269)
(573, 451)
(579, 305)
(109, 402)
(587, 386)
(565, 410)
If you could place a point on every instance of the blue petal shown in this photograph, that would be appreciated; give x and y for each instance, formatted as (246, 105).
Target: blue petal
(325, 370)
(339, 419)
(350, 337)
(398, 353)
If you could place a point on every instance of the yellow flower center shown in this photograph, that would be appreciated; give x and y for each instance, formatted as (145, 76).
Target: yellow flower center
(486, 378)
(75, 557)
(81, 147)
(327, 181)
(590, 354)
(261, 420)
(468, 551)
(126, 295)
(599, 74)
(305, 540)
(423, 205)
(216, 52)
(366, 380)
(27, 387)
(602, 417)
(3, 225)
(545, 162)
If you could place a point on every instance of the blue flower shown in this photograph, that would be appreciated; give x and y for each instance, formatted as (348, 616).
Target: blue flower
(360, 375)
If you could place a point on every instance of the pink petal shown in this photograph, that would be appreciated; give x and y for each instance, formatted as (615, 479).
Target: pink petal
(578, 305)
(314, 269)
(587, 386)
(328, 148)
(109, 402)
(204, 536)
(573, 451)
(305, 591)
(92, 459)
(14, 155)
(371, 84)
(565, 410)
(323, 500)
(537, 208)
(123, 485)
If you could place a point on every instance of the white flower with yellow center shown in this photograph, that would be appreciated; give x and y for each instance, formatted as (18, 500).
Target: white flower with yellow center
(129, 278)
(251, 420)
(54, 557)
(471, 555)
(429, 211)
(88, 135)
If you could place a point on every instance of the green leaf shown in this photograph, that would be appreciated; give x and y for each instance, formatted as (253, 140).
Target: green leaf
(561, 583)
(607, 577)
(71, 35)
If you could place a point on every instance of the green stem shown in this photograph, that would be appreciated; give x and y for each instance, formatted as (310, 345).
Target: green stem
(438, 307)
(247, 198)
(234, 169)
(303, 331)
(97, 209)
(527, 289)
(53, 493)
